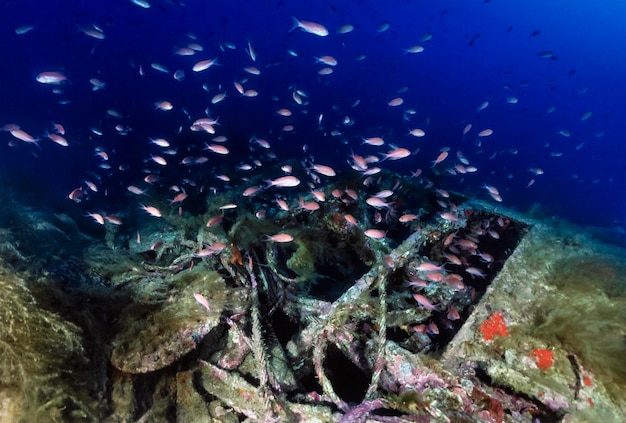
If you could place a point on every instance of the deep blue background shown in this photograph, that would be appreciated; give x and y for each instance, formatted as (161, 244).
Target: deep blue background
(446, 84)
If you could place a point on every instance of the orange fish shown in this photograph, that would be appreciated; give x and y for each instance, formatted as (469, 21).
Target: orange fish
(417, 132)
(54, 78)
(58, 139)
(405, 218)
(23, 136)
(423, 301)
(440, 158)
(310, 27)
(284, 181)
(395, 102)
(179, 198)
(378, 203)
(375, 233)
(204, 65)
(96, 217)
(152, 211)
(324, 170)
(397, 154)
(279, 238)
(216, 148)
(113, 219)
(159, 160)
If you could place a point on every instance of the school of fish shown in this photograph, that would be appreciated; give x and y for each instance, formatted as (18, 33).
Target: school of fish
(294, 189)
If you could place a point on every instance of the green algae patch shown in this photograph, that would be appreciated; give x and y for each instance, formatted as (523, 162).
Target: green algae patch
(308, 252)
(586, 314)
(43, 371)
(249, 230)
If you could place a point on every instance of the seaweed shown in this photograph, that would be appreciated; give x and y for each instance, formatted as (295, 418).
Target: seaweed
(42, 358)
(587, 315)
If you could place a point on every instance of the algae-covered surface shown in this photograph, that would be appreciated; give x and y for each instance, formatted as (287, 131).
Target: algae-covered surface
(43, 359)
(491, 316)
(552, 326)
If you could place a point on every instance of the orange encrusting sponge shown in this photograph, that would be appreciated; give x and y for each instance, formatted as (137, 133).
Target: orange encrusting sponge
(494, 325)
(544, 358)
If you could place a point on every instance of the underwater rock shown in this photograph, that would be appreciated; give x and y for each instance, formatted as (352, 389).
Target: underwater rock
(153, 337)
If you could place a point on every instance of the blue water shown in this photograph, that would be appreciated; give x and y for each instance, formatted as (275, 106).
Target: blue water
(474, 52)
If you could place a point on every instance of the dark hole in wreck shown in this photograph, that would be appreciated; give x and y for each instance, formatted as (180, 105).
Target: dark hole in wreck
(497, 249)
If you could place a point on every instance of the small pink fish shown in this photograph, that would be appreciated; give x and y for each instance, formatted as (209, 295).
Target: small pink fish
(455, 281)
(350, 219)
(309, 205)
(201, 299)
(453, 313)
(395, 102)
(375, 233)
(58, 139)
(251, 191)
(384, 193)
(405, 218)
(375, 141)
(282, 204)
(59, 128)
(492, 190)
(214, 221)
(423, 301)
(358, 162)
(159, 160)
(416, 174)
(434, 277)
(135, 190)
(97, 217)
(417, 132)
(216, 148)
(113, 219)
(204, 65)
(261, 142)
(324, 170)
(310, 27)
(475, 272)
(433, 329)
(76, 194)
(284, 181)
(153, 211)
(419, 283)
(429, 267)
(319, 195)
(91, 186)
(51, 78)
(378, 203)
(488, 258)
(22, 135)
(451, 217)
(179, 198)
(453, 259)
(280, 238)
(397, 154)
(164, 105)
(440, 158)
